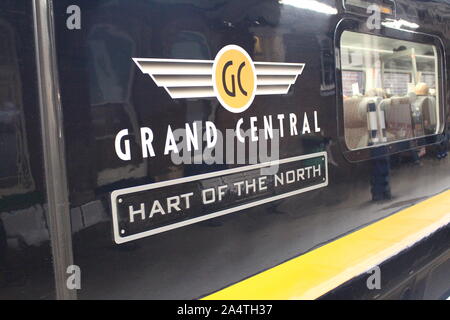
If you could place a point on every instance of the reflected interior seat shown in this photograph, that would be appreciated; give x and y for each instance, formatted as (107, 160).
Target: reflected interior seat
(398, 117)
(355, 122)
(426, 105)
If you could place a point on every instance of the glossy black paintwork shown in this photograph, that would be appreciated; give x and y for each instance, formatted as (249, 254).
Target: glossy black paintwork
(103, 92)
(26, 269)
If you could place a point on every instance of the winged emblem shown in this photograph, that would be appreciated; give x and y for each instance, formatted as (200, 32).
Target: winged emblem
(194, 78)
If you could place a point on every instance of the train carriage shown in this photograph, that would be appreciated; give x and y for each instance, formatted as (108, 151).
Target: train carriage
(224, 149)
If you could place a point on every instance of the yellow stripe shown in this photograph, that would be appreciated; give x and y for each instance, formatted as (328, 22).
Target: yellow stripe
(317, 272)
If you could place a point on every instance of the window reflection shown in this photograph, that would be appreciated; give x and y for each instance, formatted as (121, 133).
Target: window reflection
(389, 88)
(15, 175)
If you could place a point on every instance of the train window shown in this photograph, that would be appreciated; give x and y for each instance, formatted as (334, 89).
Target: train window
(390, 89)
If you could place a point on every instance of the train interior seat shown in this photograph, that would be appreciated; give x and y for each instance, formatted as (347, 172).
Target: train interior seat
(398, 117)
(405, 117)
(425, 104)
(356, 120)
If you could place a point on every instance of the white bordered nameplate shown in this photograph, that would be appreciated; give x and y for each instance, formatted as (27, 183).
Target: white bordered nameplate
(150, 209)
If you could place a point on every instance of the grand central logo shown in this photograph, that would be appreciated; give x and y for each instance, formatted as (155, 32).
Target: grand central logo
(233, 78)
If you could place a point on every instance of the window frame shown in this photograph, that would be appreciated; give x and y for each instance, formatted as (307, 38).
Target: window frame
(388, 148)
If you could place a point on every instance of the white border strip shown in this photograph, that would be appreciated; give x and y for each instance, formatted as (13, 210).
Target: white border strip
(117, 193)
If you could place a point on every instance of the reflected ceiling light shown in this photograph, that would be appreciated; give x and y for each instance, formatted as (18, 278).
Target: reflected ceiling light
(313, 5)
(398, 24)
(366, 49)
